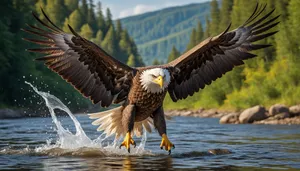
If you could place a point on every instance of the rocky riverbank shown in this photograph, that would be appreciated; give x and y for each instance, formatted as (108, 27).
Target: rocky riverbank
(11, 113)
(276, 114)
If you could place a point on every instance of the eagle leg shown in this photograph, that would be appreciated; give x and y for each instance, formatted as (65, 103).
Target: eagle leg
(128, 116)
(127, 141)
(165, 142)
(160, 125)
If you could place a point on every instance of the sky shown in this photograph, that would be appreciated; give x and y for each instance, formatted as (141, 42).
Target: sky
(125, 8)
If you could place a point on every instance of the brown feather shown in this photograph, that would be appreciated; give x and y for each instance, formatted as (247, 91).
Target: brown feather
(91, 70)
(217, 55)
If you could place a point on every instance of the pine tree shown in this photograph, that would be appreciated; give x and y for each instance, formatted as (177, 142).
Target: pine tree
(56, 11)
(283, 41)
(281, 8)
(84, 9)
(174, 54)
(207, 28)
(74, 21)
(99, 37)
(66, 27)
(294, 25)
(125, 46)
(131, 61)
(193, 40)
(155, 62)
(199, 33)
(225, 14)
(40, 4)
(119, 29)
(241, 11)
(215, 17)
(134, 51)
(91, 19)
(71, 5)
(109, 42)
(140, 61)
(100, 19)
(86, 31)
(108, 18)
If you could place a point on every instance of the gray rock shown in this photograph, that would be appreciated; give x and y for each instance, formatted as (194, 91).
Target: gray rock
(278, 108)
(9, 113)
(230, 118)
(209, 113)
(219, 151)
(295, 110)
(282, 115)
(285, 121)
(186, 113)
(250, 115)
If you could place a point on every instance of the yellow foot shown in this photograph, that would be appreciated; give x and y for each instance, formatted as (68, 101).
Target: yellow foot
(127, 141)
(165, 142)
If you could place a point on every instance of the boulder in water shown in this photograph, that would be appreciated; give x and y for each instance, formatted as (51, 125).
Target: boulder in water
(250, 115)
(278, 108)
(219, 151)
(230, 118)
(295, 110)
(282, 115)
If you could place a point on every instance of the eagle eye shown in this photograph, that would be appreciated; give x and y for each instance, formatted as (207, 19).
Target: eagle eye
(153, 76)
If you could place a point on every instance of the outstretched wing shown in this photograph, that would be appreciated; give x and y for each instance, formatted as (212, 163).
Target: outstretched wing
(217, 55)
(80, 62)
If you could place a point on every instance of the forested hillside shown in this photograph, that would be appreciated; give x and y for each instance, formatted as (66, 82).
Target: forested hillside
(272, 77)
(156, 32)
(17, 65)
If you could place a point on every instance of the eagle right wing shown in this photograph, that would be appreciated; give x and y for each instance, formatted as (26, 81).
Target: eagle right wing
(92, 71)
(217, 55)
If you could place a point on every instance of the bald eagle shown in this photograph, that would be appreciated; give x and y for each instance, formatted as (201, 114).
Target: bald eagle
(140, 91)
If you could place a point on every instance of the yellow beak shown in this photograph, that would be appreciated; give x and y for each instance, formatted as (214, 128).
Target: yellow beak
(160, 81)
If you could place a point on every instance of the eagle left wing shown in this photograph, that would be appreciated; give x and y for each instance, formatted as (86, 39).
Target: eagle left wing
(215, 56)
(92, 71)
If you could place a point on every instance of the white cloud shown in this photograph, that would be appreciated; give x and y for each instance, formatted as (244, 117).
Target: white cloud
(138, 9)
(125, 10)
(125, 13)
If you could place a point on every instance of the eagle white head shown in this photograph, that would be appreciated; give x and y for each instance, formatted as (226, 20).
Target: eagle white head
(155, 80)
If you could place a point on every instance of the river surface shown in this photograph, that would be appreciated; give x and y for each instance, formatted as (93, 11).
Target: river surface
(69, 142)
(23, 145)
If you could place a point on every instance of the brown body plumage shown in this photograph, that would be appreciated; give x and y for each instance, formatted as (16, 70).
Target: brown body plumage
(141, 91)
(146, 103)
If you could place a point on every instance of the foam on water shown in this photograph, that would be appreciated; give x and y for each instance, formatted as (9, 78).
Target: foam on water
(69, 143)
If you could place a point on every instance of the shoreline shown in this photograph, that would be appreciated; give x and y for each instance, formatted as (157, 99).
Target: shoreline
(277, 114)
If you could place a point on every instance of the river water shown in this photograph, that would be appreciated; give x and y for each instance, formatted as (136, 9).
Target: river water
(62, 143)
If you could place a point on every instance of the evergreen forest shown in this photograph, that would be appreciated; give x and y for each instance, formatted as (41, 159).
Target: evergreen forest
(17, 65)
(155, 33)
(272, 77)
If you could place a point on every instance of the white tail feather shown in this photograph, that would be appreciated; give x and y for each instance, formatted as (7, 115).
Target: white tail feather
(111, 123)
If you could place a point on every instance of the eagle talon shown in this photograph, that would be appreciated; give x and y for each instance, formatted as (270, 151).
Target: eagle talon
(127, 141)
(165, 142)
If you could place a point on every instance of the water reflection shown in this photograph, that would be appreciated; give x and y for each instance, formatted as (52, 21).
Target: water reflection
(109, 163)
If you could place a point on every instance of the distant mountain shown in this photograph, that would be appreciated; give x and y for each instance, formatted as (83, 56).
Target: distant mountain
(156, 32)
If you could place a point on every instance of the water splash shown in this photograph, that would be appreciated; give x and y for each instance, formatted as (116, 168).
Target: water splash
(79, 142)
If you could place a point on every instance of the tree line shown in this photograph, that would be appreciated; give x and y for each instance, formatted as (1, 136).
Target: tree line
(16, 65)
(272, 77)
